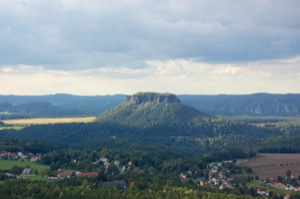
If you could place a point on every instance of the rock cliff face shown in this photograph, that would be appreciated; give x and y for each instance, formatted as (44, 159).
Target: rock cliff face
(159, 98)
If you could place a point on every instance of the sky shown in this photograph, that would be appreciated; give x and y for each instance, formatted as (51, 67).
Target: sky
(100, 47)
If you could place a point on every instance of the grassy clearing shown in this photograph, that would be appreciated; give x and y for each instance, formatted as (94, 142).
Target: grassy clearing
(8, 164)
(17, 127)
(240, 161)
(35, 121)
(255, 183)
(35, 177)
(1, 182)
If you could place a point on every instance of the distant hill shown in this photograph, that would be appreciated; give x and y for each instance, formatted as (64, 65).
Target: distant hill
(260, 104)
(153, 111)
(228, 105)
(34, 109)
(59, 105)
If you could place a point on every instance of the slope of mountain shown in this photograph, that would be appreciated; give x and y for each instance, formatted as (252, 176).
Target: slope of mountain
(144, 110)
(164, 114)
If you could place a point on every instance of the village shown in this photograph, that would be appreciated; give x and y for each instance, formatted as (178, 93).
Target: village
(217, 175)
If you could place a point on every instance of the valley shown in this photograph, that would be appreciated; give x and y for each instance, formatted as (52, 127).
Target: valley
(154, 145)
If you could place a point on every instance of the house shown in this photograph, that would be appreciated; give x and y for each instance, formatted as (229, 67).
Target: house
(106, 164)
(223, 186)
(96, 162)
(289, 187)
(214, 181)
(117, 163)
(273, 179)
(130, 164)
(65, 174)
(21, 155)
(202, 183)
(9, 175)
(13, 156)
(103, 159)
(122, 170)
(26, 171)
(286, 197)
(226, 185)
(3, 154)
(260, 191)
(33, 158)
(279, 185)
(182, 176)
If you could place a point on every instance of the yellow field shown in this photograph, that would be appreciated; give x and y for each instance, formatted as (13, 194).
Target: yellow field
(34, 121)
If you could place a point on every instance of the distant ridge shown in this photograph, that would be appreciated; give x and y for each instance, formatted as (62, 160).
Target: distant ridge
(259, 104)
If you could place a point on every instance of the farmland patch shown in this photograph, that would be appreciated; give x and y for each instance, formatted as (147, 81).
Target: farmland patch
(270, 164)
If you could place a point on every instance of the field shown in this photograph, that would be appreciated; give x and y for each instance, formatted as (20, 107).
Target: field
(35, 121)
(266, 164)
(266, 120)
(17, 127)
(8, 164)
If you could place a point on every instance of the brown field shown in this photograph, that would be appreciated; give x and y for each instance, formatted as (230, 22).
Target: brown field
(270, 164)
(34, 121)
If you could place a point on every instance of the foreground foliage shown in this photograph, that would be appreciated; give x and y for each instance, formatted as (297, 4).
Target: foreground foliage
(87, 188)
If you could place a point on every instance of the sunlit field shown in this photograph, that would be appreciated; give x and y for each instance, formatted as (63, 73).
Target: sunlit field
(34, 121)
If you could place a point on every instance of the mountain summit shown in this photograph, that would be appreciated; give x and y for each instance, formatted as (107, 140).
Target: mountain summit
(140, 98)
(153, 110)
(163, 114)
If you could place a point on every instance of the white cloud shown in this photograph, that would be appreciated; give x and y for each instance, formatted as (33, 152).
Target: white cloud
(177, 76)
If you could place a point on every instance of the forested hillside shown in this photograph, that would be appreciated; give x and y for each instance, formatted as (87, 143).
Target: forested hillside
(166, 122)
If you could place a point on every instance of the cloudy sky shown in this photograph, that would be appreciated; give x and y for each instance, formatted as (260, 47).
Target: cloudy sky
(98, 47)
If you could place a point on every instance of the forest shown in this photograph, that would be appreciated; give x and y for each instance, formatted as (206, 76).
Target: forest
(157, 148)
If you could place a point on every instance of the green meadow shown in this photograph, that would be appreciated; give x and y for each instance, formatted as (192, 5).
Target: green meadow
(17, 127)
(8, 164)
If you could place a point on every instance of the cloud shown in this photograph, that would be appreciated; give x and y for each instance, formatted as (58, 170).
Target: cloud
(180, 76)
(135, 45)
(73, 34)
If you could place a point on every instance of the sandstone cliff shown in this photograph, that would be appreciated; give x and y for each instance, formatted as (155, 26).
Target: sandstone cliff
(159, 98)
